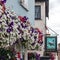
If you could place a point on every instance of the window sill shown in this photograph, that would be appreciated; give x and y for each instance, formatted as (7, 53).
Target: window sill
(38, 19)
(24, 6)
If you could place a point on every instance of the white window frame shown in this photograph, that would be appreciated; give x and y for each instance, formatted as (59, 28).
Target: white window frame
(39, 12)
(24, 4)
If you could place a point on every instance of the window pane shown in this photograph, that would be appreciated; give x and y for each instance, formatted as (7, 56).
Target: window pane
(37, 12)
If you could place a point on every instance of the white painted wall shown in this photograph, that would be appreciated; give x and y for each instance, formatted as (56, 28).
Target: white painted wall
(41, 23)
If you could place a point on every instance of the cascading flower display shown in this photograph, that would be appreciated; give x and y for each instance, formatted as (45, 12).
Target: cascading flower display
(9, 23)
(15, 29)
(23, 30)
(34, 35)
(3, 1)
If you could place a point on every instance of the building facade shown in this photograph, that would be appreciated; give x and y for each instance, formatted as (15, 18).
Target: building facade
(41, 12)
(22, 8)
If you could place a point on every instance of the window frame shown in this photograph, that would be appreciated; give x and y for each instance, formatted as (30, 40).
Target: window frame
(40, 12)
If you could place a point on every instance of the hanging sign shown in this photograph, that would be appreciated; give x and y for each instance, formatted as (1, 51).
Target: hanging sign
(51, 43)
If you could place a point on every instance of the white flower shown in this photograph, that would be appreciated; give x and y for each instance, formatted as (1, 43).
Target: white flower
(1, 7)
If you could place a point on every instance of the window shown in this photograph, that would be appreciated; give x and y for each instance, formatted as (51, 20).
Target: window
(38, 12)
(24, 4)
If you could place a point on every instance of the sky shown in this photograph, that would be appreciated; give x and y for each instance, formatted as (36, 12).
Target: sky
(54, 16)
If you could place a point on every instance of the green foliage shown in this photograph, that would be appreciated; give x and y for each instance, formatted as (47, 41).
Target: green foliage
(31, 55)
(36, 47)
(6, 54)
